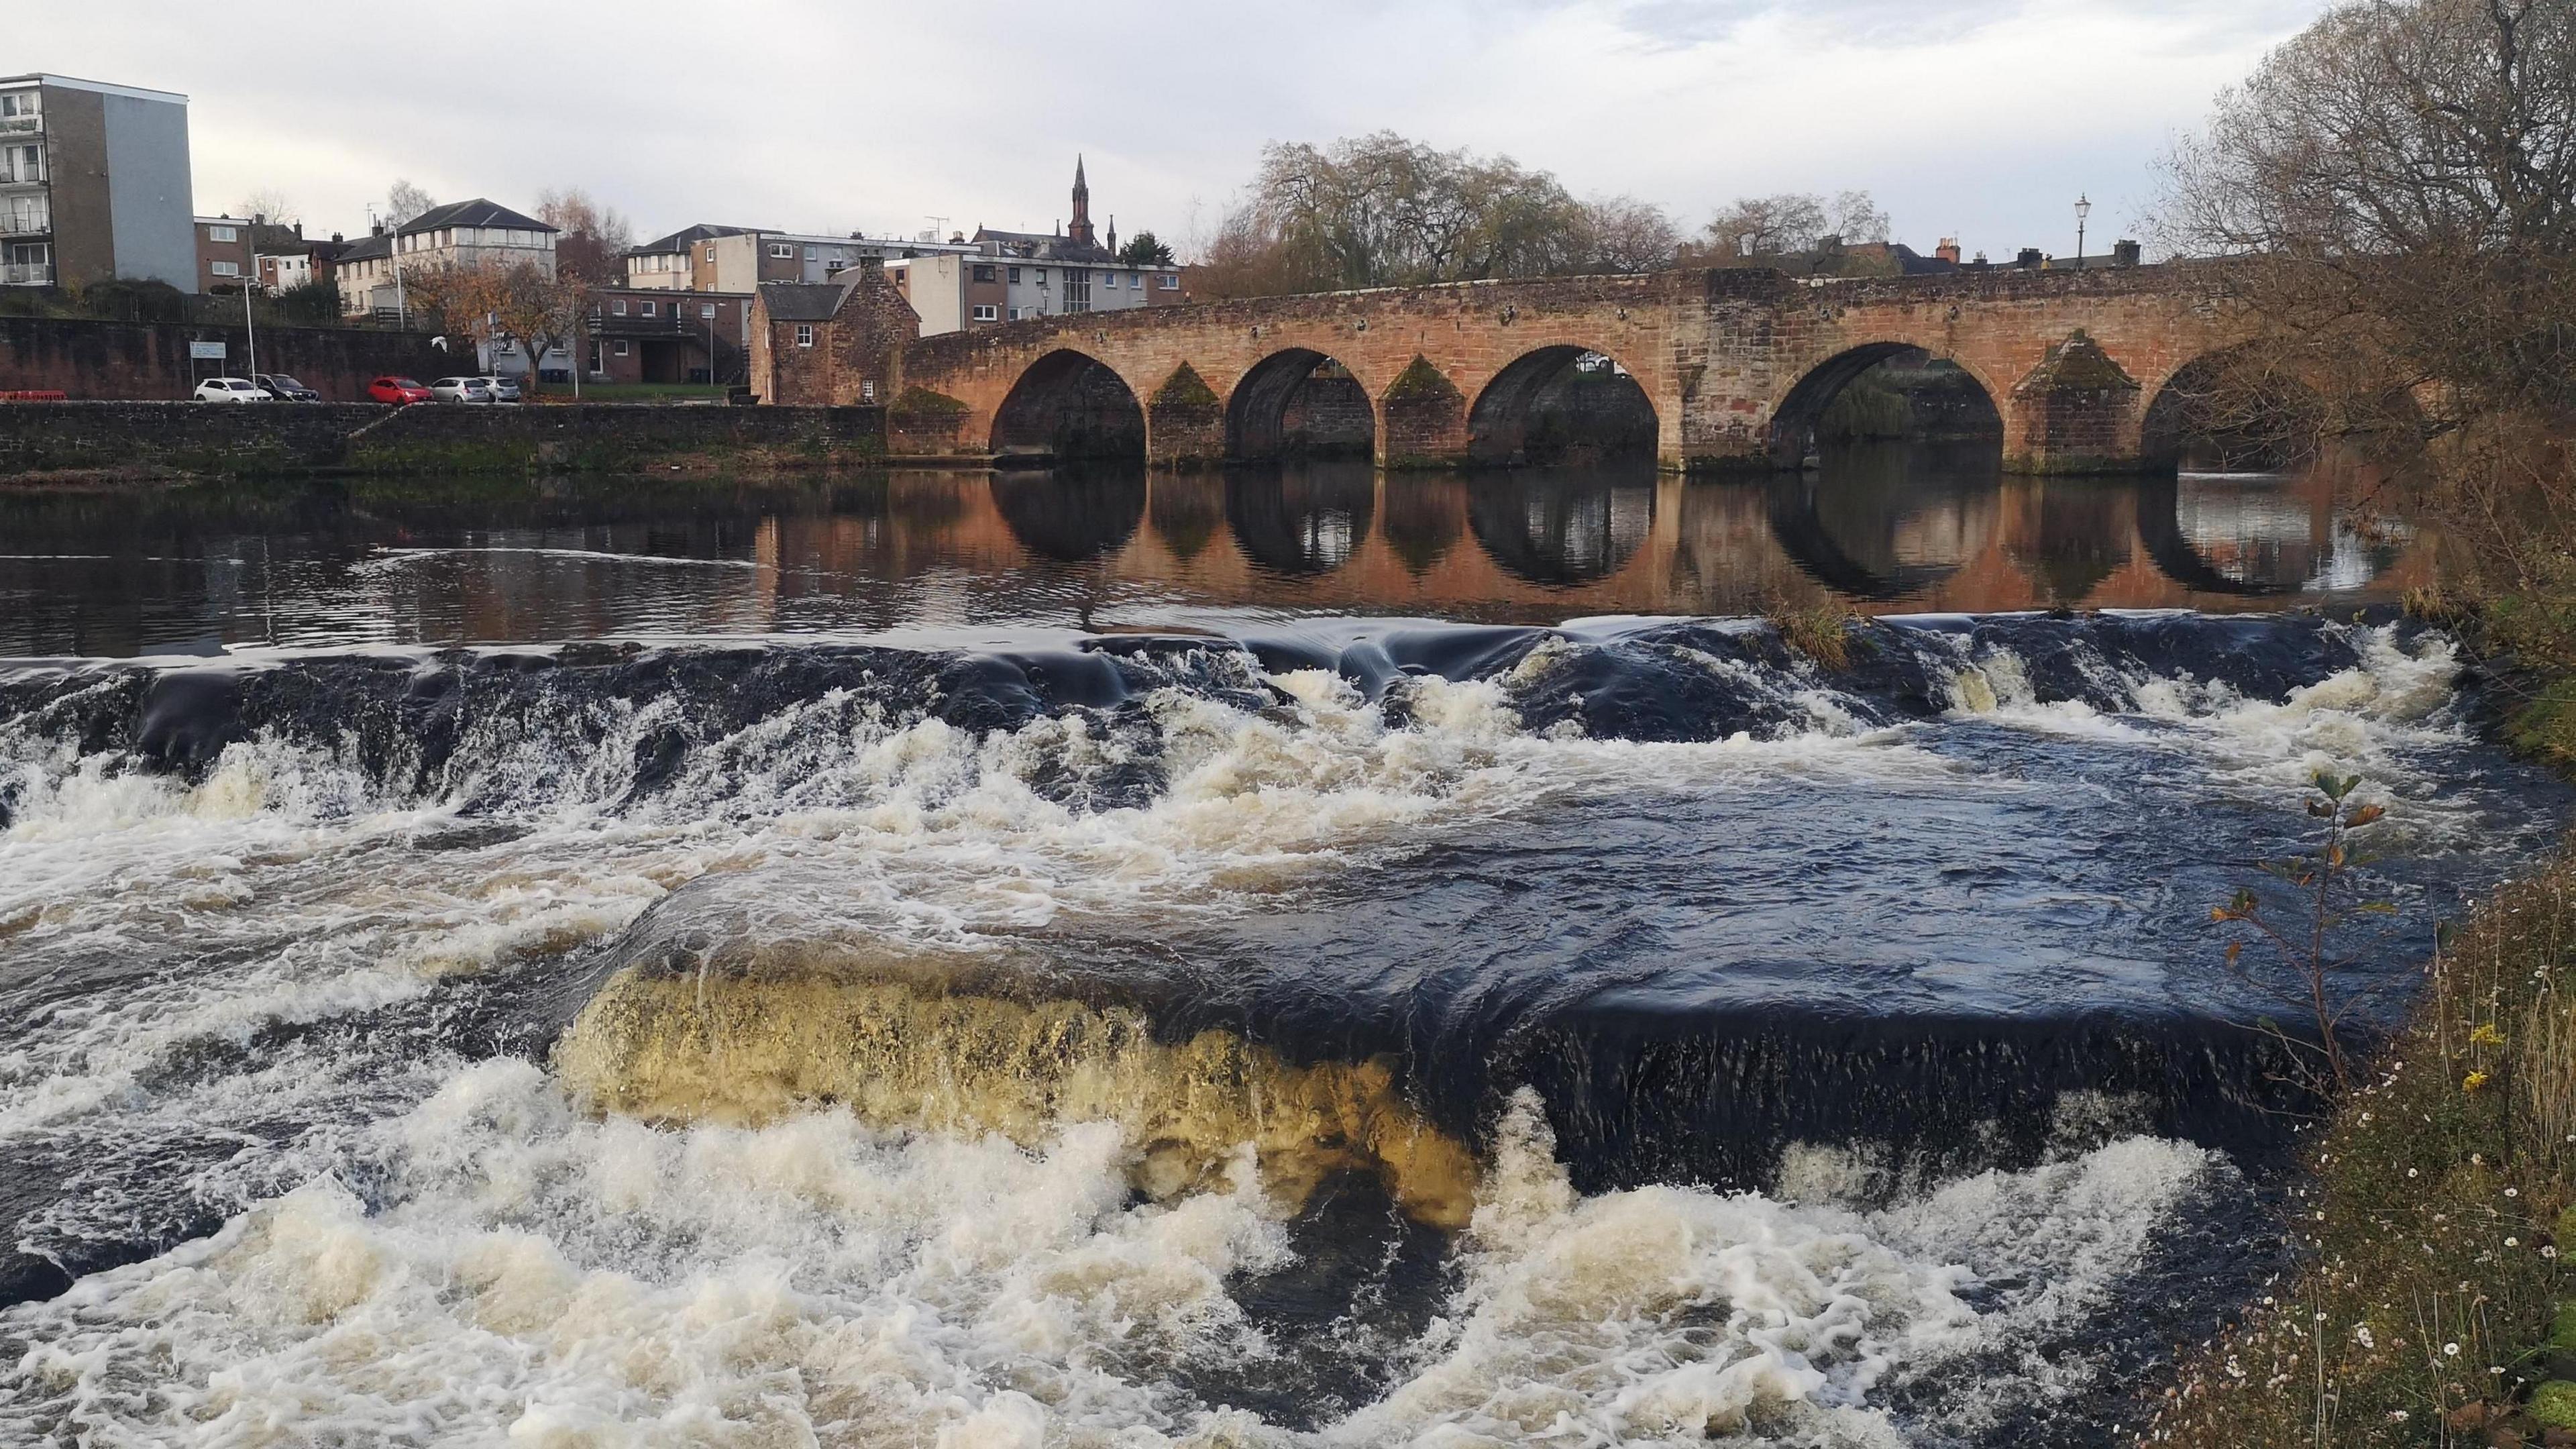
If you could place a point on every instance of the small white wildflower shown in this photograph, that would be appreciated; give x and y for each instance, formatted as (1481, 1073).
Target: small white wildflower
(2450, 1350)
(2513, 1242)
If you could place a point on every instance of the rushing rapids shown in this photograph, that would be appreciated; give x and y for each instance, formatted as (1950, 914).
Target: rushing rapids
(1331, 1031)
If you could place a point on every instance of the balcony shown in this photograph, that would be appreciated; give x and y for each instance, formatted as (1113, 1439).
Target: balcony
(26, 274)
(608, 324)
(25, 224)
(12, 127)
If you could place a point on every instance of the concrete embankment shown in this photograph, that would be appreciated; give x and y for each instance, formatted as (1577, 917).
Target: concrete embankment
(112, 441)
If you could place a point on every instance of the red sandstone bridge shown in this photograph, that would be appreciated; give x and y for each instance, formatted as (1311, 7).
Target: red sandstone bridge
(1736, 366)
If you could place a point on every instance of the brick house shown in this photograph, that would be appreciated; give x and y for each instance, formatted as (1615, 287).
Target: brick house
(653, 333)
(830, 344)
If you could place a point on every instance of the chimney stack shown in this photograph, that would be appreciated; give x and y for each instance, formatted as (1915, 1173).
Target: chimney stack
(2124, 253)
(1948, 250)
(2029, 259)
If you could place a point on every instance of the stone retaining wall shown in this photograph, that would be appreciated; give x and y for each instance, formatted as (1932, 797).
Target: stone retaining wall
(284, 438)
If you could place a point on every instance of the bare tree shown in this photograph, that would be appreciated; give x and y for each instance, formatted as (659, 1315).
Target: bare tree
(267, 204)
(1857, 219)
(592, 240)
(1760, 226)
(403, 201)
(2391, 200)
(1623, 234)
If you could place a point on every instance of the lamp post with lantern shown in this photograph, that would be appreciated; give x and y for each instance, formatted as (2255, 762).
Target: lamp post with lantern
(2083, 209)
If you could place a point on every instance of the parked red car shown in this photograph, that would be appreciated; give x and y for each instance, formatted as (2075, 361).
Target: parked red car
(399, 391)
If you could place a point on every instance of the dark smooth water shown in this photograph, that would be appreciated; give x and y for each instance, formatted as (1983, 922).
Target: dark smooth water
(1845, 1046)
(1882, 529)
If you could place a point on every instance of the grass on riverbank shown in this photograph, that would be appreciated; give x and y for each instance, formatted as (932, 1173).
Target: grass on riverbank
(2433, 1223)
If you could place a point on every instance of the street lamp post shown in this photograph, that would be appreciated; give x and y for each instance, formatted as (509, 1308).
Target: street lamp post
(250, 330)
(2083, 209)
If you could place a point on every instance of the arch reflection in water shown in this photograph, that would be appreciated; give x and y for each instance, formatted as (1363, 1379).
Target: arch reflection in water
(1307, 521)
(1887, 521)
(1563, 526)
(1072, 514)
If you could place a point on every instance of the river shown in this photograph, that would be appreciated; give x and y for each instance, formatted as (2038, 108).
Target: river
(1305, 958)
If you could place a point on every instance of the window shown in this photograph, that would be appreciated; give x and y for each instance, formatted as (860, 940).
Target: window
(1015, 276)
(648, 309)
(987, 312)
(1171, 281)
(983, 274)
(1109, 280)
(1041, 277)
(811, 253)
(1077, 290)
(223, 233)
(804, 334)
(617, 305)
(227, 269)
(621, 346)
(867, 392)
(21, 103)
(782, 251)
(707, 310)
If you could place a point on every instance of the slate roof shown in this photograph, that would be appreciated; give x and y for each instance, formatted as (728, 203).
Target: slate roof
(806, 301)
(477, 212)
(367, 248)
(681, 240)
(1038, 246)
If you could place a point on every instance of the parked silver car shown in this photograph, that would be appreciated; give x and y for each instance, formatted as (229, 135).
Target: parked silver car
(503, 389)
(231, 390)
(459, 390)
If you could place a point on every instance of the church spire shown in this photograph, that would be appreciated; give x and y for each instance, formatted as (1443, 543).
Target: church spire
(1080, 232)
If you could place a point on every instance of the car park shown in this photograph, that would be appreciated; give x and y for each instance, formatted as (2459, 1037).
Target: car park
(400, 391)
(284, 388)
(460, 390)
(503, 389)
(230, 390)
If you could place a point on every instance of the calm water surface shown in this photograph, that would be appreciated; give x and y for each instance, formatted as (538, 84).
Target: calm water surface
(1885, 529)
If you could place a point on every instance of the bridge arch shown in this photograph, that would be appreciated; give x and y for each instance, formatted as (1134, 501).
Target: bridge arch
(1561, 403)
(1971, 407)
(2225, 411)
(1299, 403)
(1069, 405)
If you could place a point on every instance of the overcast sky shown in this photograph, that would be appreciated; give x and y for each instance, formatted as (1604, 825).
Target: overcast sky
(1980, 120)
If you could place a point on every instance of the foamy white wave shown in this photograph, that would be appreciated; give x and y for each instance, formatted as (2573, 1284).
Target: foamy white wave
(531, 1276)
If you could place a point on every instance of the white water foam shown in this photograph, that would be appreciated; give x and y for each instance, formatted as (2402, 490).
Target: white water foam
(534, 1277)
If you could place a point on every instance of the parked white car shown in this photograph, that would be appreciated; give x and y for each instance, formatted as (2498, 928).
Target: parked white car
(460, 390)
(503, 389)
(231, 389)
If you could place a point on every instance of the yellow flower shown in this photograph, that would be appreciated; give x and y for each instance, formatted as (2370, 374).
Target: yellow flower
(2473, 1081)
(2486, 1035)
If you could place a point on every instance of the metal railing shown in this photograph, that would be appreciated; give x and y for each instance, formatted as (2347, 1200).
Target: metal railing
(26, 274)
(13, 223)
(22, 125)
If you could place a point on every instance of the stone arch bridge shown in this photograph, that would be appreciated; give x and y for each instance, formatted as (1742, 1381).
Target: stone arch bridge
(1737, 366)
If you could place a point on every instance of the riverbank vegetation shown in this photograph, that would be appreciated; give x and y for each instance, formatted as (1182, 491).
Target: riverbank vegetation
(2391, 199)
